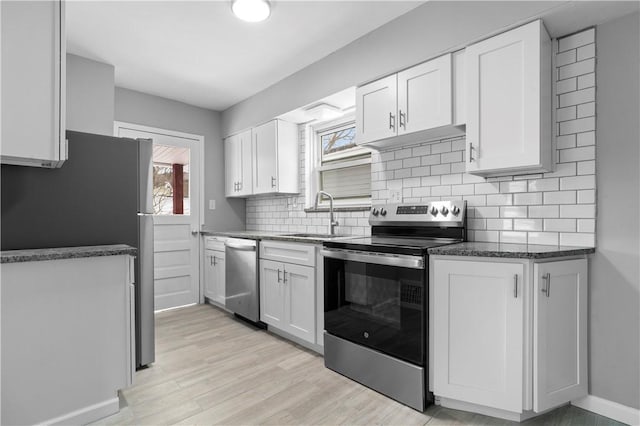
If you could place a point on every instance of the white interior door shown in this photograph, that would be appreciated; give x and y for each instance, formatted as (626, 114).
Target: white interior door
(176, 218)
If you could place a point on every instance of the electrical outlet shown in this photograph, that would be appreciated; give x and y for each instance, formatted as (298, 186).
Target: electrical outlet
(212, 204)
(395, 195)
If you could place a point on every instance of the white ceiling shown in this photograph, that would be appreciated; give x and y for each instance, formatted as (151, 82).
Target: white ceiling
(199, 53)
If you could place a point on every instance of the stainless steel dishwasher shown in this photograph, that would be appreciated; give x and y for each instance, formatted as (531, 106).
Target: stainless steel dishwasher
(242, 291)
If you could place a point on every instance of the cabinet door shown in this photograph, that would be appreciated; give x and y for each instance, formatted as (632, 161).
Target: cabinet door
(478, 332)
(560, 333)
(272, 293)
(425, 96)
(231, 166)
(33, 83)
(376, 105)
(509, 101)
(265, 158)
(209, 274)
(300, 301)
(219, 277)
(244, 161)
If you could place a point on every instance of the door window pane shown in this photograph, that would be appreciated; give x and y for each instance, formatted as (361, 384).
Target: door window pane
(171, 180)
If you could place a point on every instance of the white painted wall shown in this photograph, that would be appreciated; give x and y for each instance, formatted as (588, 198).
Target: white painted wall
(614, 273)
(141, 108)
(90, 97)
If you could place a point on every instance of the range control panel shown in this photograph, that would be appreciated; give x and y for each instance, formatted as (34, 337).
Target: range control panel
(436, 213)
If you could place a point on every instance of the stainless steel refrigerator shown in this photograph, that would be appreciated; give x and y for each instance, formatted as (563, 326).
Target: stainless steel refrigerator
(101, 195)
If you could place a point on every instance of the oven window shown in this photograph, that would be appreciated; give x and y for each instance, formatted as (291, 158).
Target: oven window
(382, 307)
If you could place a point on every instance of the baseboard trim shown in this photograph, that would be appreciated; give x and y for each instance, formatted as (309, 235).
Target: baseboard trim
(613, 410)
(487, 411)
(87, 414)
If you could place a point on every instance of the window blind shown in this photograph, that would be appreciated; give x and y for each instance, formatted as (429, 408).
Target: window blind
(348, 182)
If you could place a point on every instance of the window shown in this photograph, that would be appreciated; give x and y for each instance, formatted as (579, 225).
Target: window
(171, 180)
(340, 167)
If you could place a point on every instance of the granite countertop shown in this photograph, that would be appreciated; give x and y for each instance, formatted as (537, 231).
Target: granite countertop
(34, 255)
(276, 236)
(507, 250)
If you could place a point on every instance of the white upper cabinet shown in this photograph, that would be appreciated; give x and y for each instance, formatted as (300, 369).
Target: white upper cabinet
(275, 157)
(414, 105)
(425, 96)
(376, 113)
(33, 83)
(508, 86)
(238, 166)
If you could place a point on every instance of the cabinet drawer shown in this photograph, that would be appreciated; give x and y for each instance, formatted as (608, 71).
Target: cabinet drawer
(301, 254)
(214, 243)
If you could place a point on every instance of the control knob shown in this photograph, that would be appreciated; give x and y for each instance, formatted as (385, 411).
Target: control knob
(383, 212)
(434, 211)
(444, 210)
(455, 210)
(374, 212)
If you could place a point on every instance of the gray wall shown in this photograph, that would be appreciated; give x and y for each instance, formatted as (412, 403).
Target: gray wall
(140, 108)
(414, 37)
(615, 289)
(90, 97)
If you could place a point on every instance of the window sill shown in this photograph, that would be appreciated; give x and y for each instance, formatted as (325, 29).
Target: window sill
(338, 209)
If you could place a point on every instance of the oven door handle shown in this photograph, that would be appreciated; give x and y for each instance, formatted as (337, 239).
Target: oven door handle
(399, 260)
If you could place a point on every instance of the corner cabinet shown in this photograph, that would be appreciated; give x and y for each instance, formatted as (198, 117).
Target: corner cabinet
(238, 165)
(509, 104)
(288, 288)
(275, 157)
(509, 337)
(33, 83)
(414, 105)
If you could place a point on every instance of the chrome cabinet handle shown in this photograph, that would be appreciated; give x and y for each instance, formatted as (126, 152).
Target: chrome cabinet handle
(546, 288)
(210, 260)
(403, 123)
(392, 121)
(273, 182)
(515, 286)
(279, 279)
(284, 275)
(239, 186)
(215, 262)
(470, 152)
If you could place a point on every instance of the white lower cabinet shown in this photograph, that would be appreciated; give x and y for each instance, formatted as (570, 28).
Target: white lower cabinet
(287, 298)
(214, 270)
(288, 289)
(508, 335)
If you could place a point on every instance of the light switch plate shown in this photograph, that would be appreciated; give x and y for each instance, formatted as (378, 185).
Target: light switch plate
(395, 195)
(212, 204)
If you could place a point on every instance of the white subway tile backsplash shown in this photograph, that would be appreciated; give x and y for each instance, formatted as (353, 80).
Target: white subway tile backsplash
(587, 167)
(587, 196)
(513, 237)
(441, 147)
(421, 150)
(527, 224)
(487, 188)
(421, 171)
(527, 198)
(579, 125)
(458, 167)
(578, 97)
(576, 40)
(587, 225)
(458, 145)
(578, 182)
(411, 162)
(487, 212)
(404, 153)
(544, 211)
(587, 80)
(486, 236)
(577, 239)
(560, 225)
(515, 186)
(566, 114)
(500, 199)
(451, 157)
(560, 197)
(586, 52)
(565, 58)
(453, 179)
(579, 211)
(577, 68)
(500, 224)
(544, 184)
(441, 169)
(587, 110)
(430, 181)
(467, 178)
(462, 189)
(429, 160)
(475, 200)
(545, 238)
(586, 138)
(513, 211)
(440, 191)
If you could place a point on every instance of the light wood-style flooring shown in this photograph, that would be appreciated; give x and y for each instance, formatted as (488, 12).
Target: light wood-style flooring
(214, 369)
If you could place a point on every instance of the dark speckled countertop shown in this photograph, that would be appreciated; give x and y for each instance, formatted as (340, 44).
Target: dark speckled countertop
(276, 236)
(34, 255)
(506, 250)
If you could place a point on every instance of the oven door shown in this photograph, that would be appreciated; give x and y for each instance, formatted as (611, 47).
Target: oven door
(377, 300)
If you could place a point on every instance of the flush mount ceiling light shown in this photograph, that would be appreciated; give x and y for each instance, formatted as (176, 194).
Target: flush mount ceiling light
(251, 10)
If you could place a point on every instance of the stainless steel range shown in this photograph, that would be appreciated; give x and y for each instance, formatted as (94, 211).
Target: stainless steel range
(375, 297)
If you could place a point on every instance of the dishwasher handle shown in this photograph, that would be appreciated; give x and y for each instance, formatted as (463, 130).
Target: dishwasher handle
(243, 247)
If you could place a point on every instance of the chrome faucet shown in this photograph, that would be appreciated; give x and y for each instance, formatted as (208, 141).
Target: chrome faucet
(332, 223)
